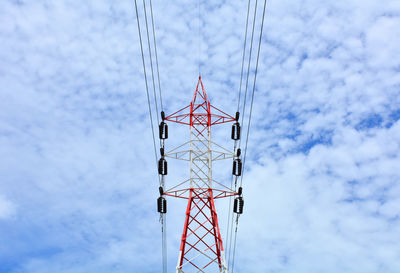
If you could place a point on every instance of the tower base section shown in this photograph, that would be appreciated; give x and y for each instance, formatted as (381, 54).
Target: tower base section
(201, 247)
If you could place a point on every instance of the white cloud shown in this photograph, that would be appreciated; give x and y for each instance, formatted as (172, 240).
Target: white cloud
(7, 208)
(382, 43)
(321, 191)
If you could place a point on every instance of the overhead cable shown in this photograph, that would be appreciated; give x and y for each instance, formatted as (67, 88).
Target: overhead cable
(163, 216)
(155, 50)
(249, 123)
(249, 65)
(163, 219)
(244, 53)
(254, 88)
(147, 87)
(199, 35)
(151, 59)
(244, 106)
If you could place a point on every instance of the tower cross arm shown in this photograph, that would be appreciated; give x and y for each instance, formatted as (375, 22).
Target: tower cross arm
(218, 116)
(219, 155)
(182, 152)
(181, 116)
(185, 155)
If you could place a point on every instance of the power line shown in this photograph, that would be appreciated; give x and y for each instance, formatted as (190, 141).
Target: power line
(254, 87)
(244, 103)
(234, 246)
(243, 114)
(163, 216)
(155, 50)
(230, 218)
(244, 53)
(249, 123)
(230, 225)
(164, 241)
(199, 35)
(163, 219)
(147, 87)
(151, 59)
(248, 66)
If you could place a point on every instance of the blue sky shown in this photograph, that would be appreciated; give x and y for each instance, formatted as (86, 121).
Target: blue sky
(78, 183)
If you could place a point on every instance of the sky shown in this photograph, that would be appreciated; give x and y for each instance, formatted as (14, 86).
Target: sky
(78, 182)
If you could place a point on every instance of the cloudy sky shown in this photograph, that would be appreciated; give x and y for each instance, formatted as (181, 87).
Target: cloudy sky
(78, 183)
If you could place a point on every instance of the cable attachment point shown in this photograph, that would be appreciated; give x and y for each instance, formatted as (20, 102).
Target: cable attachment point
(240, 191)
(238, 152)
(162, 115)
(161, 190)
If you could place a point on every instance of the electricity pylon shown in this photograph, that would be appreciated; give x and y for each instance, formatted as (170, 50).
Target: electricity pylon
(201, 247)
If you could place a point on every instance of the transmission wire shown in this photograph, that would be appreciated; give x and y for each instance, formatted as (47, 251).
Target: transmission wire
(164, 241)
(155, 50)
(199, 36)
(234, 246)
(248, 127)
(244, 53)
(248, 66)
(163, 216)
(151, 59)
(245, 99)
(151, 120)
(230, 222)
(147, 88)
(230, 218)
(231, 227)
(254, 87)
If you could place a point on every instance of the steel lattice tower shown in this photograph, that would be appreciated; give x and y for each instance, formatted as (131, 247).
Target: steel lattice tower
(201, 247)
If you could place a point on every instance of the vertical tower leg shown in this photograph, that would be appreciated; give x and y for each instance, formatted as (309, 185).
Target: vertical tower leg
(218, 238)
(184, 234)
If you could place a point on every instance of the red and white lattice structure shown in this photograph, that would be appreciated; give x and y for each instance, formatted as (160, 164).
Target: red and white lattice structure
(201, 247)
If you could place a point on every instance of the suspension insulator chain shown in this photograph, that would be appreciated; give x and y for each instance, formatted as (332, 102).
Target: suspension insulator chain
(235, 135)
(237, 167)
(237, 162)
(161, 205)
(162, 164)
(239, 202)
(163, 130)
